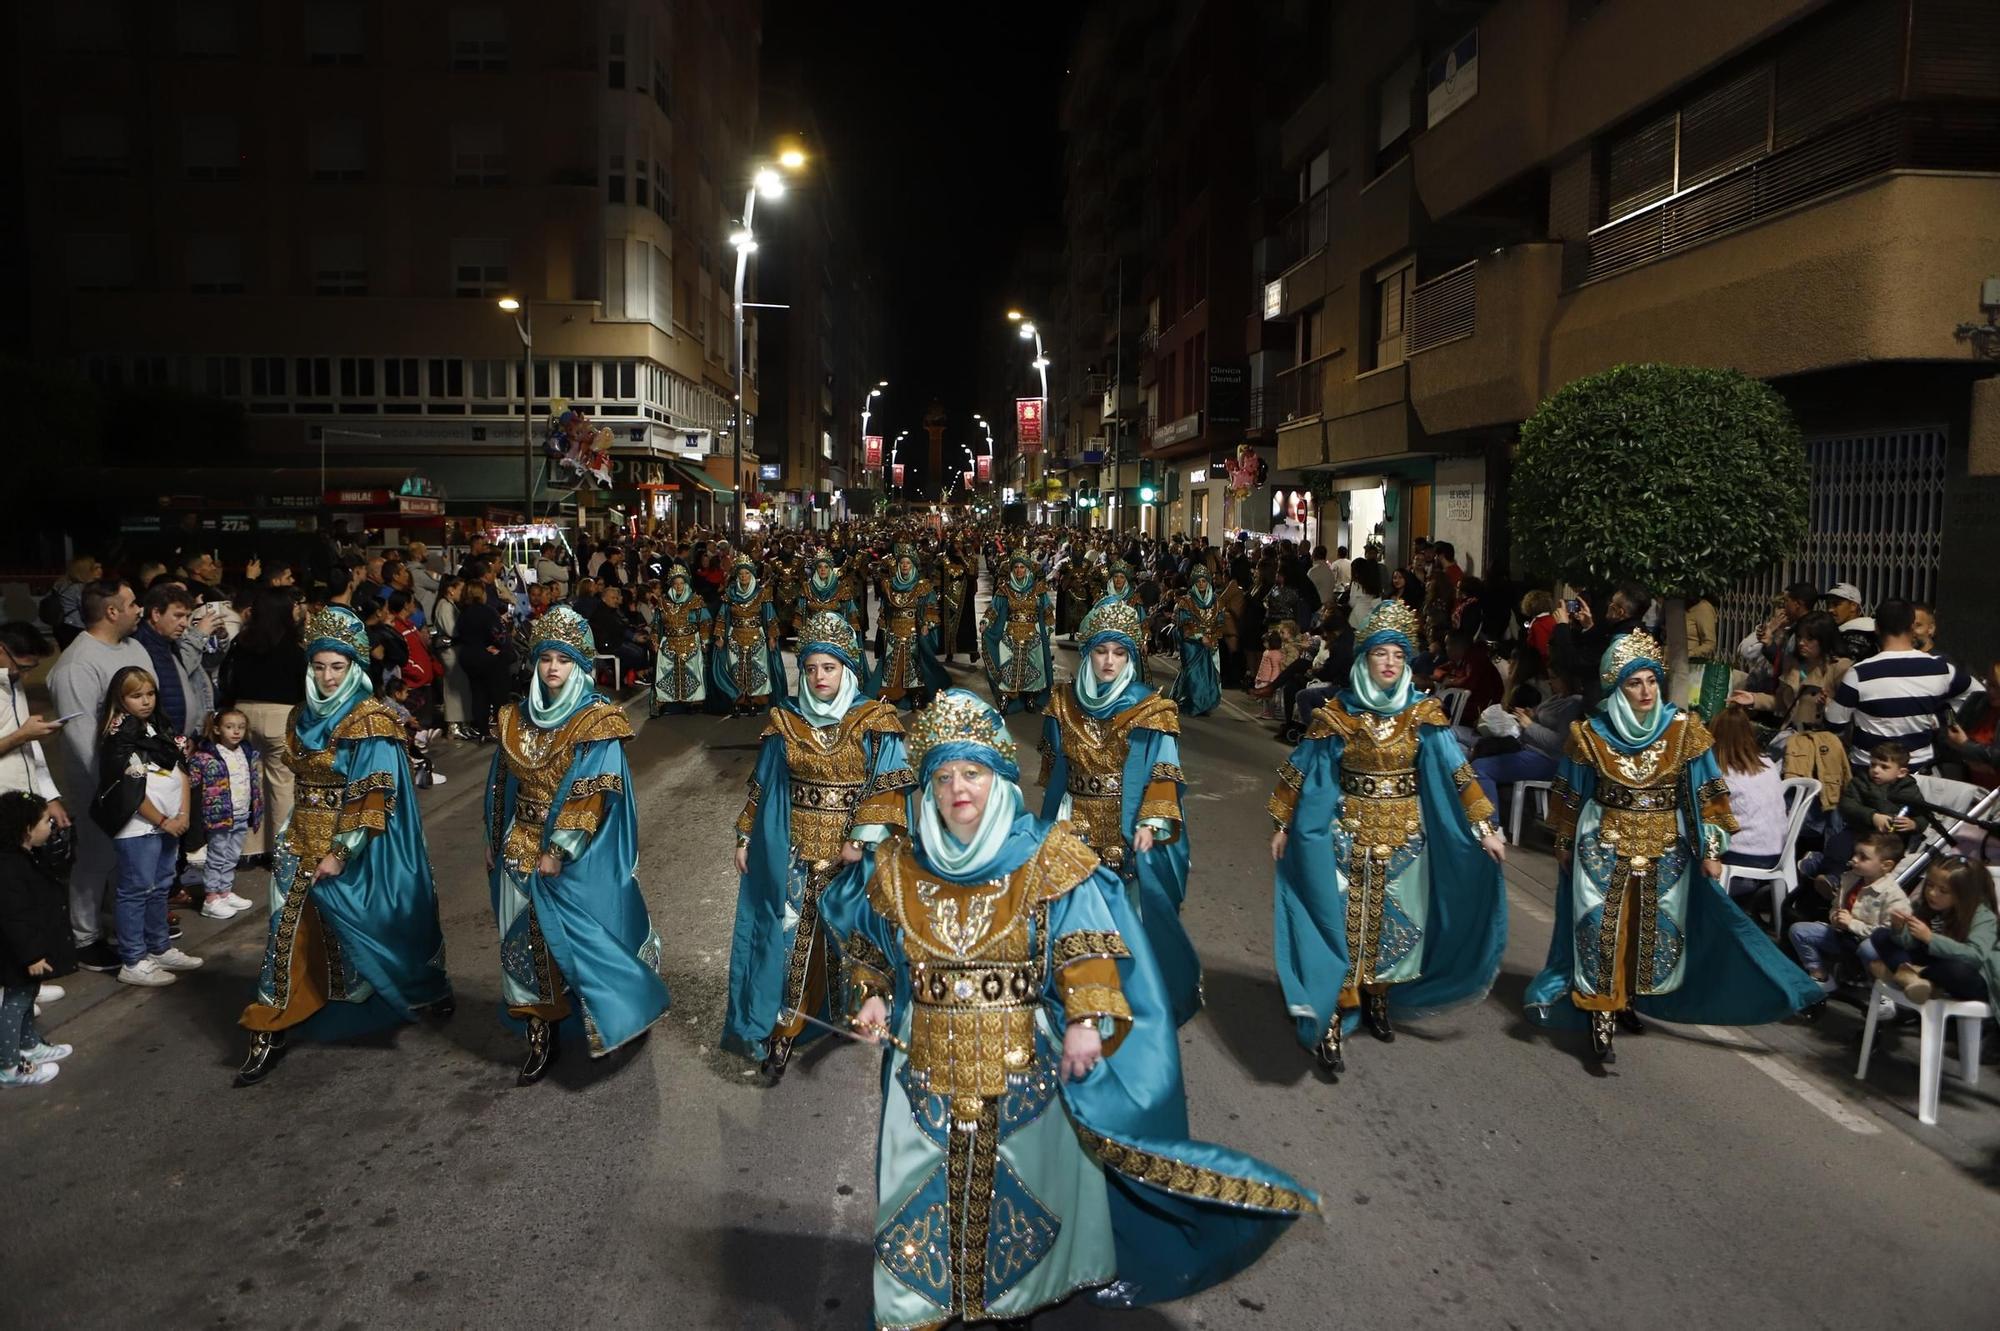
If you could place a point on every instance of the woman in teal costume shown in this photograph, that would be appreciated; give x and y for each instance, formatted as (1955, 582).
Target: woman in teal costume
(907, 672)
(1033, 1140)
(1198, 623)
(746, 669)
(1019, 663)
(577, 948)
(1389, 891)
(830, 784)
(1111, 768)
(354, 944)
(1119, 587)
(681, 629)
(1642, 817)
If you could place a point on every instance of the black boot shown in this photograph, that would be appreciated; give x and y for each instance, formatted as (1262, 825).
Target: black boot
(1328, 1051)
(1628, 1022)
(266, 1048)
(543, 1047)
(774, 1062)
(440, 1010)
(1375, 1013)
(1602, 1027)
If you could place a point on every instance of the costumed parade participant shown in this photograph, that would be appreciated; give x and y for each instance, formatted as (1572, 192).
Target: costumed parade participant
(954, 590)
(354, 944)
(1200, 623)
(577, 948)
(1033, 1137)
(826, 591)
(1019, 620)
(681, 629)
(830, 784)
(1641, 817)
(745, 668)
(1111, 766)
(1389, 890)
(907, 672)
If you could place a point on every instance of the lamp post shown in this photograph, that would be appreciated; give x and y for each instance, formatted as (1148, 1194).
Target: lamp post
(524, 324)
(766, 181)
(867, 410)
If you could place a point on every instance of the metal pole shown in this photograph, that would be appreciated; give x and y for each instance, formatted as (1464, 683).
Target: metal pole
(526, 328)
(742, 407)
(1118, 378)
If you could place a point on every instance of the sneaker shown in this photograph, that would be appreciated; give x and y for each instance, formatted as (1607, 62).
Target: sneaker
(437, 778)
(173, 927)
(47, 1053)
(218, 908)
(174, 959)
(99, 956)
(240, 902)
(30, 1074)
(146, 973)
(49, 993)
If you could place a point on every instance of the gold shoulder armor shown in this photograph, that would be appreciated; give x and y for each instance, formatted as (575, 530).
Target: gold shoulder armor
(1430, 712)
(369, 719)
(1325, 723)
(600, 720)
(1695, 737)
(1158, 712)
(1062, 863)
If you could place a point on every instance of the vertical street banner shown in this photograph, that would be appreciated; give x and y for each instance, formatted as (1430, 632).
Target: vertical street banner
(984, 464)
(1028, 423)
(968, 479)
(873, 445)
(899, 474)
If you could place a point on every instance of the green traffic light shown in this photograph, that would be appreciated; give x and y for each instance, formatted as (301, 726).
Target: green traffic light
(1146, 494)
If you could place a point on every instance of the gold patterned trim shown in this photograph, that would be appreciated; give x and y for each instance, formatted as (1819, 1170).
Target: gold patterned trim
(969, 1162)
(1379, 785)
(1463, 776)
(1169, 772)
(608, 784)
(1178, 1176)
(1644, 799)
(1081, 783)
(1088, 943)
(580, 817)
(1095, 1000)
(1291, 776)
(362, 787)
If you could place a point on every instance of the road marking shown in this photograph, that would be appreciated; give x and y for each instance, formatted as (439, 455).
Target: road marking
(1772, 1064)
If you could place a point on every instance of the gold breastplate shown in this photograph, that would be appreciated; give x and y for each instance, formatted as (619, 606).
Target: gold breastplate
(317, 796)
(828, 774)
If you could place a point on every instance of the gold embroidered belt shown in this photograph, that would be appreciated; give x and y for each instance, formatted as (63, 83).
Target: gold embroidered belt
(319, 797)
(1647, 799)
(816, 795)
(1081, 783)
(901, 623)
(1379, 785)
(1001, 984)
(972, 1032)
(530, 812)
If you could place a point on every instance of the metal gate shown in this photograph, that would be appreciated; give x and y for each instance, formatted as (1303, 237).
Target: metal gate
(1875, 515)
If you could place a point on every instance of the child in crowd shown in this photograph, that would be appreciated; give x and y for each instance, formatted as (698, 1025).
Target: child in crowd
(1859, 911)
(1948, 943)
(230, 773)
(35, 940)
(1269, 667)
(1884, 799)
(143, 803)
(400, 699)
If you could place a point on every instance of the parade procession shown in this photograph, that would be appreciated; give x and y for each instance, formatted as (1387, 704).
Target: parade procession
(1110, 665)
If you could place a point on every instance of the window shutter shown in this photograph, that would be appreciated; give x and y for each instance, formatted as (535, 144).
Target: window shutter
(1725, 128)
(1848, 63)
(1954, 49)
(1639, 167)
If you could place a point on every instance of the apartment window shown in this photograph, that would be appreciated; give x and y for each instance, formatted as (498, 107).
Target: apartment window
(1392, 303)
(340, 265)
(399, 377)
(222, 376)
(1310, 323)
(339, 150)
(659, 85)
(614, 178)
(621, 379)
(660, 197)
(334, 32)
(97, 144)
(1395, 112)
(447, 378)
(490, 380)
(663, 290)
(267, 376)
(614, 60)
(478, 39)
(1714, 133)
(1198, 387)
(206, 27)
(357, 376)
(215, 265)
(707, 260)
(210, 149)
(573, 378)
(641, 187)
(478, 267)
(542, 380)
(312, 376)
(478, 155)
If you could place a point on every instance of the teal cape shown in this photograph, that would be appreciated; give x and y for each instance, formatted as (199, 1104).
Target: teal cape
(1160, 876)
(722, 690)
(1466, 934)
(990, 641)
(592, 915)
(1130, 1110)
(770, 896)
(1732, 974)
(1198, 689)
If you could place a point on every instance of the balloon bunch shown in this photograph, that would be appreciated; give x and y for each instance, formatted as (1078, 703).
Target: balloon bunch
(578, 445)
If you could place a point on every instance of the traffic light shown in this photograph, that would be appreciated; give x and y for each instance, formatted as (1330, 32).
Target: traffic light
(1148, 490)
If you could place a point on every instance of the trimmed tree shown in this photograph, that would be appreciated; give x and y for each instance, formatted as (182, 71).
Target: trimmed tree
(1680, 478)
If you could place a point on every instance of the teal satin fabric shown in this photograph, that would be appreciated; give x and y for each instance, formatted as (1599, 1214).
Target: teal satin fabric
(592, 915)
(578, 691)
(1198, 688)
(1043, 660)
(722, 680)
(1465, 932)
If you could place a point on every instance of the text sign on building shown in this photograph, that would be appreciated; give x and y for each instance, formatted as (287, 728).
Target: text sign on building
(1453, 78)
(984, 466)
(872, 445)
(1226, 393)
(770, 471)
(1455, 503)
(1274, 298)
(1028, 423)
(1175, 432)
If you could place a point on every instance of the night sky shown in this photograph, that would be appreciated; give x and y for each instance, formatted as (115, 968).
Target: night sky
(941, 128)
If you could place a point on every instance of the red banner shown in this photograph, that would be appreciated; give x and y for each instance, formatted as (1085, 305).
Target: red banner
(899, 474)
(873, 445)
(968, 479)
(1028, 423)
(984, 463)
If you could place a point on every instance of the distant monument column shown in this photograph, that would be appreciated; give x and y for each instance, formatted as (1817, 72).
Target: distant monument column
(934, 420)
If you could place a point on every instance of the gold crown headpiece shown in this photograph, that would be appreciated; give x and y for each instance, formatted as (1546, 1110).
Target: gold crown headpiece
(1110, 616)
(339, 628)
(564, 628)
(1626, 650)
(832, 630)
(1392, 618)
(959, 717)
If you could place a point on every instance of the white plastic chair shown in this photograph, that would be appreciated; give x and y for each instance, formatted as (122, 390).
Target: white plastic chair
(1886, 997)
(1521, 789)
(1453, 701)
(1800, 793)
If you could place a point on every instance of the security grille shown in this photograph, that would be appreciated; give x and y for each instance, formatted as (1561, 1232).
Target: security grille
(1874, 515)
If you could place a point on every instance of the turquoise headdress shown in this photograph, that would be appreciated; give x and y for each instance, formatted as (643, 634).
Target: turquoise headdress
(831, 634)
(1111, 620)
(1628, 654)
(962, 727)
(564, 630)
(335, 628)
(1392, 622)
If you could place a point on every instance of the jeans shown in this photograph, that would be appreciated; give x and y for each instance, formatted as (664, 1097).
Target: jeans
(224, 849)
(1313, 697)
(145, 875)
(1958, 980)
(17, 1023)
(1504, 769)
(1820, 946)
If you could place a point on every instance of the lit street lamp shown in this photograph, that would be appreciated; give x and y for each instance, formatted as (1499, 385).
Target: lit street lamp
(767, 182)
(524, 324)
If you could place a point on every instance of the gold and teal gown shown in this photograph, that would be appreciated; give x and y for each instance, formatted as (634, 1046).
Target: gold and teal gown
(908, 666)
(680, 654)
(1020, 666)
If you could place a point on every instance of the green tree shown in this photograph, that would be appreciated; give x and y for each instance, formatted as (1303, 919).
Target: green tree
(1681, 478)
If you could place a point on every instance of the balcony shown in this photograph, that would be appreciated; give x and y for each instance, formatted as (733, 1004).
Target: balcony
(1296, 393)
(1476, 336)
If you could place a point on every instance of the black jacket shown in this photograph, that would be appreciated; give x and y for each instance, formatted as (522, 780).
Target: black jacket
(120, 790)
(34, 921)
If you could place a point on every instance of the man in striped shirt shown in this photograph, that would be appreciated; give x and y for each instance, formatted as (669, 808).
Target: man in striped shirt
(1901, 693)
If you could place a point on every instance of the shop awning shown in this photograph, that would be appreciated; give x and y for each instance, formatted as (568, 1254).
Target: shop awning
(701, 480)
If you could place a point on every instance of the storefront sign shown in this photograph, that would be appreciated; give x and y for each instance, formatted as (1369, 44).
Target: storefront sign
(1274, 298)
(1455, 503)
(872, 446)
(770, 471)
(1174, 432)
(1225, 393)
(1028, 423)
(419, 506)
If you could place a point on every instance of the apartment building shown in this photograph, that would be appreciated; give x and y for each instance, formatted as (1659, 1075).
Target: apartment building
(1497, 199)
(312, 208)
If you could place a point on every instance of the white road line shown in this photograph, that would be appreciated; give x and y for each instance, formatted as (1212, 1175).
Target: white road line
(1772, 1064)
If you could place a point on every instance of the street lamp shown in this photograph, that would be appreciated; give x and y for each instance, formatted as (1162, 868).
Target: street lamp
(868, 409)
(766, 181)
(524, 325)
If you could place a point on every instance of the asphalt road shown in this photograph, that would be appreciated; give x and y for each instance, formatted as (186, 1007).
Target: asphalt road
(1476, 1173)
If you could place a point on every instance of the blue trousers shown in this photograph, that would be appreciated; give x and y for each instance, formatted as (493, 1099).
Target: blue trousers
(145, 877)
(1954, 979)
(1504, 769)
